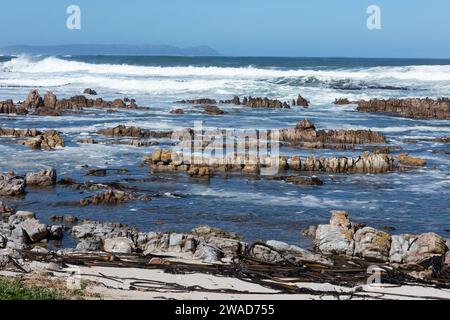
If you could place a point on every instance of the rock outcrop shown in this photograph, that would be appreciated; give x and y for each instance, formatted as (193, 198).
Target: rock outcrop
(306, 135)
(343, 237)
(9, 107)
(48, 140)
(42, 178)
(409, 108)
(166, 160)
(134, 132)
(11, 185)
(301, 102)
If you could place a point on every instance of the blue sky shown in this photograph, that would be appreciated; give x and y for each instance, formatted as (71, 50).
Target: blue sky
(411, 28)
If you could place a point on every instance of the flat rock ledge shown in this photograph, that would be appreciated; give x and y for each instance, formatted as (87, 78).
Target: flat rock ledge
(409, 108)
(168, 160)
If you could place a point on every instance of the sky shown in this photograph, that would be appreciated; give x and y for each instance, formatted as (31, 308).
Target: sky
(327, 28)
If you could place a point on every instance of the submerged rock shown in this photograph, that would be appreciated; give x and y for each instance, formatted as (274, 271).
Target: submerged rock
(406, 160)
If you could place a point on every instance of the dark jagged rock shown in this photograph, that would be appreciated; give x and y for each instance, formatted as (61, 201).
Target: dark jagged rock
(8, 107)
(305, 132)
(168, 161)
(342, 101)
(33, 100)
(409, 108)
(134, 132)
(213, 110)
(301, 102)
(90, 91)
(304, 181)
(109, 197)
(47, 140)
(177, 111)
(264, 103)
(11, 185)
(406, 160)
(198, 101)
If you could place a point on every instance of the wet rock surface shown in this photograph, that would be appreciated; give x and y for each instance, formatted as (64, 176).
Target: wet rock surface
(11, 185)
(166, 160)
(306, 135)
(410, 108)
(42, 178)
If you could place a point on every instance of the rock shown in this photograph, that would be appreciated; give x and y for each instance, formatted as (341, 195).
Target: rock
(177, 111)
(176, 242)
(3, 242)
(118, 245)
(334, 240)
(35, 230)
(19, 236)
(24, 215)
(199, 101)
(49, 100)
(305, 132)
(89, 245)
(33, 100)
(264, 253)
(42, 178)
(8, 107)
(263, 103)
(207, 232)
(213, 110)
(302, 102)
(5, 211)
(118, 103)
(90, 92)
(409, 108)
(56, 232)
(109, 197)
(341, 101)
(447, 260)
(309, 232)
(98, 230)
(340, 219)
(304, 181)
(427, 246)
(49, 140)
(372, 244)
(305, 124)
(278, 245)
(208, 253)
(400, 245)
(11, 186)
(406, 160)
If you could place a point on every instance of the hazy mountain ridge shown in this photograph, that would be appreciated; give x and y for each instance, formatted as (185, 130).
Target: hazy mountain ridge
(104, 49)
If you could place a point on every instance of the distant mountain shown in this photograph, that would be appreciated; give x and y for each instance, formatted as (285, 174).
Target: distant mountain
(106, 49)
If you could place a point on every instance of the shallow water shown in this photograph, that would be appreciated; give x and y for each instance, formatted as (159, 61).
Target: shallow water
(412, 201)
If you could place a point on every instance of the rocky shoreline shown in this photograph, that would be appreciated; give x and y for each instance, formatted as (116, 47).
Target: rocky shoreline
(424, 256)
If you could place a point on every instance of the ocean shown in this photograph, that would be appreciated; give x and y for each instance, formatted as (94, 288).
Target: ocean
(409, 201)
